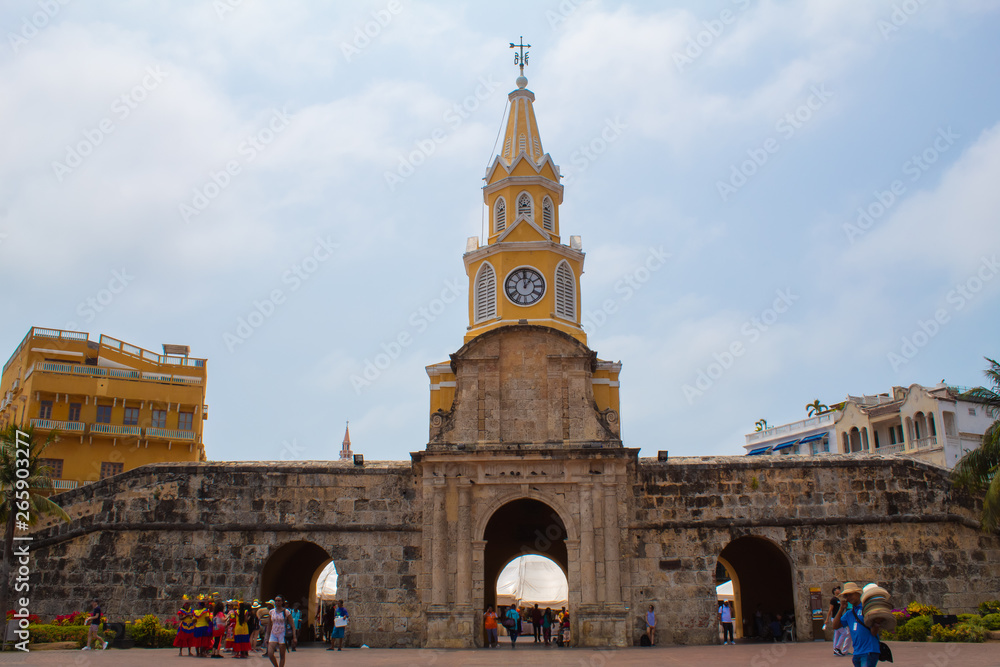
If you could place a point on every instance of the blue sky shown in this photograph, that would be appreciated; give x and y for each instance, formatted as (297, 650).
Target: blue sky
(823, 177)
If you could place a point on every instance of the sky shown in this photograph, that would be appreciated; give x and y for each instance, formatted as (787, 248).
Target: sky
(779, 201)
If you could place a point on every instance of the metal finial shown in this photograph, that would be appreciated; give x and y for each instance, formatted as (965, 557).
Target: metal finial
(520, 58)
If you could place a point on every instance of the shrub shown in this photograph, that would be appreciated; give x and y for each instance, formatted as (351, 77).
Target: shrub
(989, 607)
(991, 622)
(76, 618)
(915, 629)
(165, 637)
(917, 609)
(960, 632)
(32, 618)
(144, 631)
(46, 634)
(971, 619)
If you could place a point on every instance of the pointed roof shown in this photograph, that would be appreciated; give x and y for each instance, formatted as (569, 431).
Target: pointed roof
(522, 134)
(345, 450)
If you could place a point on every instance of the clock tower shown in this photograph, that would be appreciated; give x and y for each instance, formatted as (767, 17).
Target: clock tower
(525, 374)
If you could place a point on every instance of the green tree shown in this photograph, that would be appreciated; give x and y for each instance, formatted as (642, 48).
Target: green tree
(24, 487)
(977, 471)
(815, 408)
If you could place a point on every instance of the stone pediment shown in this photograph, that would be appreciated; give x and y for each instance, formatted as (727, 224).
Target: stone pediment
(524, 385)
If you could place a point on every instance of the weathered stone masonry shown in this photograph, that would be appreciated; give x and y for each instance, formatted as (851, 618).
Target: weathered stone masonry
(142, 539)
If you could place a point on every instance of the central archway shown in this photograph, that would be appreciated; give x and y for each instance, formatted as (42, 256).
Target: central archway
(292, 571)
(520, 527)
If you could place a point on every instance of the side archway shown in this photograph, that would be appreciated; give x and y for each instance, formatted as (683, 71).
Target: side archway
(292, 571)
(762, 581)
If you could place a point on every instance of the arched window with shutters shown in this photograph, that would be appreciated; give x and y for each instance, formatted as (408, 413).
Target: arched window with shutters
(486, 293)
(522, 143)
(547, 217)
(500, 215)
(565, 291)
(524, 204)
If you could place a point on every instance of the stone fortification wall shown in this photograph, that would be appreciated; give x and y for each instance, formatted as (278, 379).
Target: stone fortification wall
(140, 540)
(891, 520)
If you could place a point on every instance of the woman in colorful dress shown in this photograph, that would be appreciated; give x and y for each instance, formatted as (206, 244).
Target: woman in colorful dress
(203, 628)
(241, 632)
(218, 629)
(185, 631)
(231, 606)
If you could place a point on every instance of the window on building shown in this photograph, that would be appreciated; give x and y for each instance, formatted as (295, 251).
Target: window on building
(547, 214)
(500, 215)
(524, 205)
(110, 469)
(159, 419)
(74, 412)
(930, 423)
(486, 293)
(565, 292)
(55, 467)
(972, 412)
(522, 143)
(899, 433)
(185, 420)
(131, 416)
(875, 434)
(45, 410)
(103, 414)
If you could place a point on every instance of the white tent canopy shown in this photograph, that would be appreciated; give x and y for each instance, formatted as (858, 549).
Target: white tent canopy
(326, 585)
(533, 580)
(725, 591)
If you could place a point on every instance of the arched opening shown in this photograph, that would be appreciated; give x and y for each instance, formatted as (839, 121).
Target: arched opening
(521, 527)
(864, 439)
(292, 572)
(855, 439)
(762, 580)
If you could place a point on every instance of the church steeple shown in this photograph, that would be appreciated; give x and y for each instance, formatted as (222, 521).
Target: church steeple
(345, 448)
(524, 273)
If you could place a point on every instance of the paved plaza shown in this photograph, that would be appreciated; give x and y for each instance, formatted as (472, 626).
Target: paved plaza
(816, 654)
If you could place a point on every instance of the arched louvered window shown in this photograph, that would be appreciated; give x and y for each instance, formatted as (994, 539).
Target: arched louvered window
(547, 222)
(522, 143)
(538, 148)
(506, 147)
(524, 204)
(486, 293)
(500, 215)
(565, 292)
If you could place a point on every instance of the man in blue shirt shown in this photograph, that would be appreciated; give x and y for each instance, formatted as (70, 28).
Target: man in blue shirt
(865, 640)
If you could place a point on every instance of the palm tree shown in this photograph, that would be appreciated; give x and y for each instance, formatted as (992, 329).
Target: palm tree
(977, 471)
(761, 424)
(24, 493)
(815, 408)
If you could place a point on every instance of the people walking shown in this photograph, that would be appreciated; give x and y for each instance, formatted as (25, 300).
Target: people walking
(651, 625)
(513, 624)
(340, 620)
(490, 625)
(865, 640)
(726, 617)
(841, 636)
(280, 619)
(547, 625)
(296, 624)
(536, 623)
(94, 626)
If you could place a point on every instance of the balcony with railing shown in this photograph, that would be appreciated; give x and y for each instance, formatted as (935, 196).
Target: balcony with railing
(793, 428)
(59, 485)
(925, 443)
(53, 425)
(169, 434)
(139, 353)
(897, 448)
(115, 429)
(104, 372)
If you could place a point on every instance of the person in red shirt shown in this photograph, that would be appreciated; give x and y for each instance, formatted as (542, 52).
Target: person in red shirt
(490, 623)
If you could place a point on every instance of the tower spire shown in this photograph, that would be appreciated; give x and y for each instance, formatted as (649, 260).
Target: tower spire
(345, 451)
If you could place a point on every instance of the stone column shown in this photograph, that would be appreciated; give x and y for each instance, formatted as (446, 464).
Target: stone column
(463, 581)
(612, 546)
(439, 548)
(587, 571)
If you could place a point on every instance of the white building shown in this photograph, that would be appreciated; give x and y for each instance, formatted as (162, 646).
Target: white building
(935, 424)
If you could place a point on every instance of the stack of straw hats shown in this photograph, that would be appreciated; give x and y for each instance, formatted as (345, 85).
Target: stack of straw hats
(876, 606)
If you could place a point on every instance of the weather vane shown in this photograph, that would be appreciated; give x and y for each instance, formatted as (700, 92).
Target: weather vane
(520, 59)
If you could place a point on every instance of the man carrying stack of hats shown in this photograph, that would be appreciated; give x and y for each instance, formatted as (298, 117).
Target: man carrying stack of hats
(864, 619)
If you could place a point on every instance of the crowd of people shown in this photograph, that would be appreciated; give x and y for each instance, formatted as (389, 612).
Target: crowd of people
(209, 628)
(544, 625)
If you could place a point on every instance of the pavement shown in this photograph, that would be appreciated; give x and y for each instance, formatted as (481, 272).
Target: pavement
(811, 654)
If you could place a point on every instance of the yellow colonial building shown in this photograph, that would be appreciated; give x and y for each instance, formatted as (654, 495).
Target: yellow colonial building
(113, 406)
(524, 274)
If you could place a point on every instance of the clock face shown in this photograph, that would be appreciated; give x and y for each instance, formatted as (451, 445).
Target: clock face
(524, 286)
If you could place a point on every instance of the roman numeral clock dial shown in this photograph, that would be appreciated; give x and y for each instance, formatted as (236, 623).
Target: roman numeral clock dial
(524, 286)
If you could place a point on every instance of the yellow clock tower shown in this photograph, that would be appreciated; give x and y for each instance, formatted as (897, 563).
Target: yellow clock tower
(524, 311)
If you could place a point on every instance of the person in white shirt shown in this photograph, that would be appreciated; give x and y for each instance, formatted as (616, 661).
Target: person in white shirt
(726, 616)
(280, 618)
